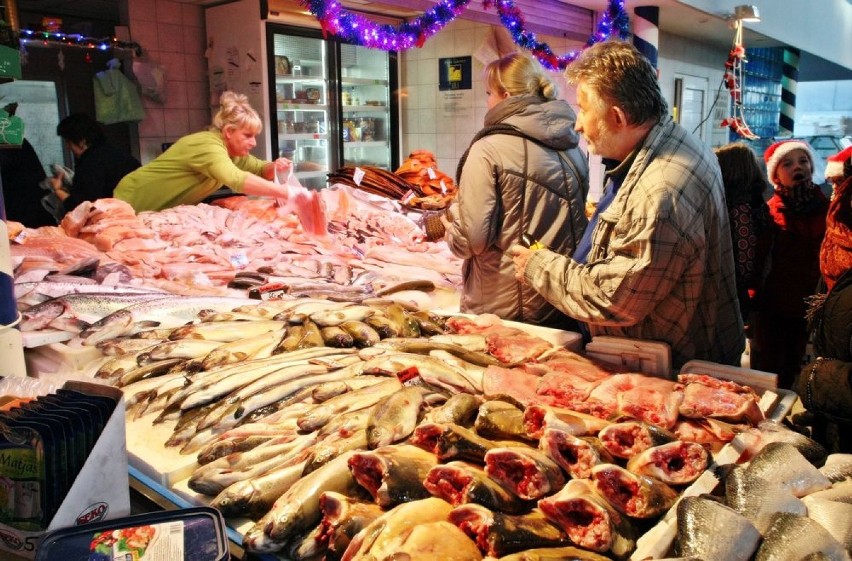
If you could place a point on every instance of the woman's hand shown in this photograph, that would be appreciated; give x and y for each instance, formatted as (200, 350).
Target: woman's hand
(58, 185)
(520, 256)
(282, 167)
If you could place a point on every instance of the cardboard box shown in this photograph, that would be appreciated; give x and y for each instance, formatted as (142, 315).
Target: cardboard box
(101, 490)
(648, 357)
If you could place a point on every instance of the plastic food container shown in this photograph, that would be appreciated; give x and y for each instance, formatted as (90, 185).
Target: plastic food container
(192, 534)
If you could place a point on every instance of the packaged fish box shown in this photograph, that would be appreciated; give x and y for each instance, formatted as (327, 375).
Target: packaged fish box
(192, 534)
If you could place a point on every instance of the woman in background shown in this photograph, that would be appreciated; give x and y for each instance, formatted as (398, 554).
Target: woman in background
(98, 166)
(745, 190)
(522, 174)
(198, 164)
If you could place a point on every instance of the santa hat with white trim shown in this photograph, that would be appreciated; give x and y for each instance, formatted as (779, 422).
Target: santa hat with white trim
(834, 167)
(775, 153)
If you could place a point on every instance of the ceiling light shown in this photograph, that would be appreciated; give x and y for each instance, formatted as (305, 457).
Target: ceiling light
(746, 12)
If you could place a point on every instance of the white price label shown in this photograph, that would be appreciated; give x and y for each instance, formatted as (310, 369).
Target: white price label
(431, 172)
(239, 260)
(358, 176)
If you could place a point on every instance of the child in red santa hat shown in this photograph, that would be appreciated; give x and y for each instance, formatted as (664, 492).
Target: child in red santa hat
(798, 209)
(836, 253)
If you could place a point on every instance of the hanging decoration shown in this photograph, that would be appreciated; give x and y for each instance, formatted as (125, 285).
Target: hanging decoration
(358, 30)
(614, 19)
(52, 39)
(734, 80)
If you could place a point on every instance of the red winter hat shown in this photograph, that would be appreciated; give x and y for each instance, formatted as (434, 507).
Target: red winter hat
(835, 164)
(775, 153)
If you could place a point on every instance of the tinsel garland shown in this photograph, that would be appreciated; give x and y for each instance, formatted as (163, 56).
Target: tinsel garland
(359, 30)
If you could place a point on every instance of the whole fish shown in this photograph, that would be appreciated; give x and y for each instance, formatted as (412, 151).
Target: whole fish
(225, 331)
(362, 334)
(758, 499)
(635, 495)
(473, 373)
(211, 479)
(330, 447)
(333, 317)
(469, 341)
(394, 417)
(576, 455)
(769, 431)
(702, 521)
(355, 399)
(497, 534)
(459, 409)
(527, 472)
(793, 537)
(161, 312)
(298, 508)
(227, 446)
(148, 370)
(259, 346)
(75, 312)
(124, 346)
(588, 520)
(425, 345)
(461, 483)
(415, 530)
(782, 462)
(393, 474)
(186, 348)
(335, 336)
(675, 463)
(252, 498)
(625, 439)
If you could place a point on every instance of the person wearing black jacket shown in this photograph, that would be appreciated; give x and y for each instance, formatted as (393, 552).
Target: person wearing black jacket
(21, 172)
(99, 166)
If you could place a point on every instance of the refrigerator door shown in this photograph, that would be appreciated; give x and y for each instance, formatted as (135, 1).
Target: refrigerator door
(299, 69)
(367, 77)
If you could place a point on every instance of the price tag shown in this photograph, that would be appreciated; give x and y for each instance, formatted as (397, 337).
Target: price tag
(431, 172)
(443, 188)
(21, 237)
(358, 176)
(407, 197)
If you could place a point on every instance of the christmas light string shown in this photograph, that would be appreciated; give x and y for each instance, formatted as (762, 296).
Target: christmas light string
(359, 30)
(48, 39)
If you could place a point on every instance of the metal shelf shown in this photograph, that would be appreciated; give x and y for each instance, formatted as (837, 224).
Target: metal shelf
(365, 108)
(346, 81)
(301, 107)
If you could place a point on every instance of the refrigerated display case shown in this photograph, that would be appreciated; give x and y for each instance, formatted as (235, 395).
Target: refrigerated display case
(331, 104)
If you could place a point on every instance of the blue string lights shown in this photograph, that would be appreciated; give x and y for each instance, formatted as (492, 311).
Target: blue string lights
(359, 30)
(52, 38)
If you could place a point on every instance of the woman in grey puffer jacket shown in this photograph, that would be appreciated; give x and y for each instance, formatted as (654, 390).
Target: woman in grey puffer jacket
(522, 174)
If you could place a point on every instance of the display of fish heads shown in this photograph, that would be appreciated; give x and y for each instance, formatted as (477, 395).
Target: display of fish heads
(527, 472)
(338, 529)
(701, 521)
(797, 537)
(537, 418)
(498, 419)
(415, 530)
(632, 494)
(576, 455)
(451, 442)
(675, 463)
(497, 534)
(393, 474)
(589, 520)
(783, 463)
(625, 439)
(461, 483)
